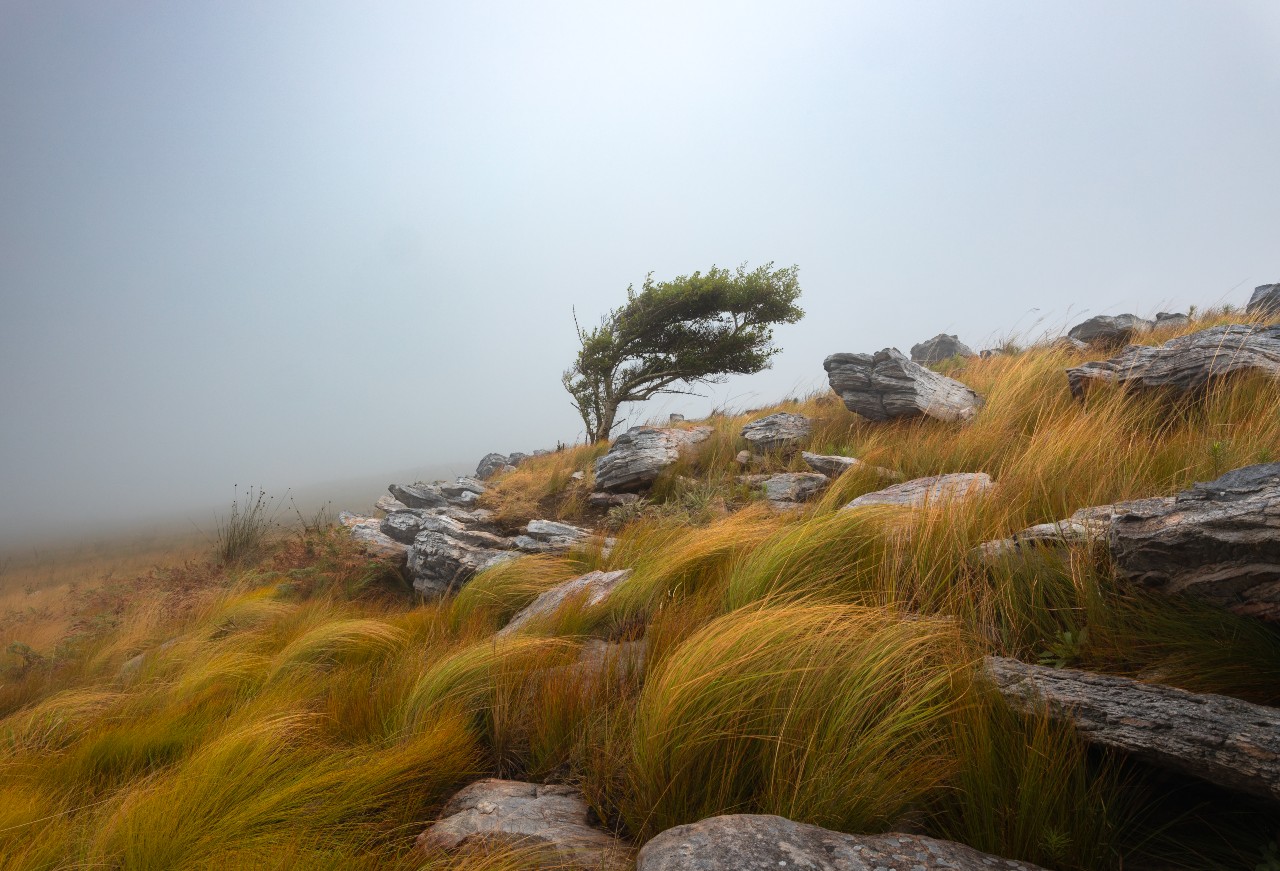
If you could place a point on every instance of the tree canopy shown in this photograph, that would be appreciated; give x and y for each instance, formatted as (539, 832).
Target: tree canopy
(694, 329)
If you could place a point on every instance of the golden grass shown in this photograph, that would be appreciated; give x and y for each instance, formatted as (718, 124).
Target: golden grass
(304, 711)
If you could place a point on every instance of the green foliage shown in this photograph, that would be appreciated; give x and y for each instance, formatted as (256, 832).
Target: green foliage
(693, 329)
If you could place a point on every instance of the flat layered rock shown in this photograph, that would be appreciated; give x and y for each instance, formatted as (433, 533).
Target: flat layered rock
(777, 432)
(1086, 526)
(1110, 329)
(592, 588)
(511, 813)
(760, 842)
(932, 491)
(1265, 301)
(1225, 741)
(1186, 363)
(640, 454)
(787, 489)
(441, 561)
(418, 495)
(886, 385)
(601, 499)
(940, 347)
(388, 503)
(1219, 540)
(368, 531)
(833, 466)
(463, 485)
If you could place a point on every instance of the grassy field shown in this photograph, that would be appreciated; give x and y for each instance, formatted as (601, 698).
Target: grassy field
(298, 709)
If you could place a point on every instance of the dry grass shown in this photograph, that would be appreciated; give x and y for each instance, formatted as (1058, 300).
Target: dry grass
(301, 710)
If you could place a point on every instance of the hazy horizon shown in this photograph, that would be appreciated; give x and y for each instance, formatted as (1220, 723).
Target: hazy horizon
(294, 245)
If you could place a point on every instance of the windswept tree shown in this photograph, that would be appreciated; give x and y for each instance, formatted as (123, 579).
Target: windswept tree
(695, 329)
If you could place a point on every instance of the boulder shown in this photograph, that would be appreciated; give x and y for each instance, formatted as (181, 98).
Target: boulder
(673, 417)
(593, 588)
(1109, 329)
(940, 347)
(743, 458)
(1188, 362)
(834, 466)
(1219, 540)
(756, 842)
(368, 531)
(1265, 301)
(932, 491)
(442, 561)
(886, 385)
(640, 454)
(777, 432)
(1225, 741)
(418, 495)
(509, 813)
(788, 489)
(1178, 319)
(403, 526)
(490, 465)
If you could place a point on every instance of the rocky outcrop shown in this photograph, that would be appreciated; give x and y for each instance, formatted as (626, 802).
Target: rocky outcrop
(777, 432)
(1188, 362)
(886, 385)
(1225, 741)
(1172, 320)
(747, 842)
(640, 454)
(368, 531)
(933, 491)
(461, 486)
(940, 347)
(509, 813)
(834, 466)
(441, 561)
(1219, 540)
(1105, 330)
(592, 588)
(1265, 301)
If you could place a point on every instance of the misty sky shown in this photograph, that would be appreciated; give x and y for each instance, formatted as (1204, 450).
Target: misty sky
(289, 243)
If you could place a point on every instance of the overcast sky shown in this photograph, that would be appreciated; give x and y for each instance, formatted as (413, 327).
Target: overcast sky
(290, 243)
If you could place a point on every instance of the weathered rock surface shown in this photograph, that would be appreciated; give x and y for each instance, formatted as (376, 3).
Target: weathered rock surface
(368, 531)
(886, 385)
(1174, 319)
(463, 485)
(932, 491)
(1088, 525)
(787, 489)
(675, 417)
(1187, 362)
(600, 499)
(1225, 741)
(548, 536)
(1265, 301)
(940, 347)
(510, 813)
(1109, 329)
(388, 503)
(777, 432)
(418, 495)
(1066, 343)
(593, 588)
(640, 454)
(1219, 540)
(834, 466)
(756, 842)
(403, 526)
(490, 465)
(442, 561)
